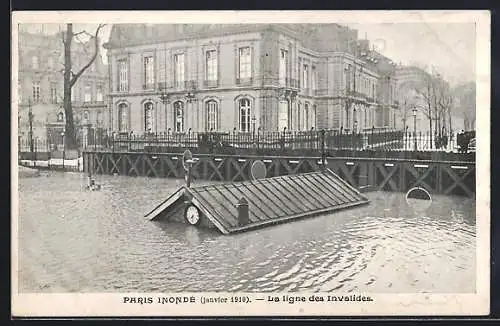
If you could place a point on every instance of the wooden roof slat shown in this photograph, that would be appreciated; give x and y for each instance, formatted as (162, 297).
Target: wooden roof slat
(230, 215)
(288, 195)
(273, 197)
(255, 202)
(321, 193)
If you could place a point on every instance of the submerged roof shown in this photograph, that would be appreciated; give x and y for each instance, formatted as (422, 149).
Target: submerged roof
(269, 200)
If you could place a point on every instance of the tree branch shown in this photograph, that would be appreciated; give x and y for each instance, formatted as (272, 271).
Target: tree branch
(96, 51)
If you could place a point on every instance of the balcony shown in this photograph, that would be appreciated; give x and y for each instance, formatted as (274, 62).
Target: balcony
(148, 87)
(211, 83)
(177, 86)
(289, 83)
(88, 103)
(244, 81)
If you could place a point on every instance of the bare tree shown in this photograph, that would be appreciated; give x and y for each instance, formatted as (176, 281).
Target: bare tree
(70, 78)
(427, 93)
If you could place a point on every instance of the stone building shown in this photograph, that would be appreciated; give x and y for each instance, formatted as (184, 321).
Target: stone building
(40, 83)
(243, 77)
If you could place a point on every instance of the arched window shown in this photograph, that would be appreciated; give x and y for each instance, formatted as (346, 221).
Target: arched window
(86, 117)
(60, 117)
(245, 111)
(313, 117)
(299, 116)
(98, 118)
(148, 116)
(306, 116)
(283, 117)
(179, 116)
(212, 116)
(123, 117)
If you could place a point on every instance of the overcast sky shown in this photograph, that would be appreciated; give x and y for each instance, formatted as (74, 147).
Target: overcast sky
(450, 47)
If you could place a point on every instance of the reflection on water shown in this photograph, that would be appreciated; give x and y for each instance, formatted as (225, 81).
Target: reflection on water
(71, 239)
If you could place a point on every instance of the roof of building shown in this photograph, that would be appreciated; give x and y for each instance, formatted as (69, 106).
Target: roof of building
(270, 200)
(124, 35)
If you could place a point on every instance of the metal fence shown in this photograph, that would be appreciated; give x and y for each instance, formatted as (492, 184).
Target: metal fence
(297, 142)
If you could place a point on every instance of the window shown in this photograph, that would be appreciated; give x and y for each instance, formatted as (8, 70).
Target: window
(60, 117)
(211, 107)
(87, 93)
(245, 110)
(36, 91)
(122, 75)
(98, 118)
(34, 62)
(50, 63)
(306, 116)
(122, 117)
(86, 117)
(53, 93)
(313, 78)
(148, 117)
(301, 82)
(149, 70)
(179, 116)
(299, 123)
(305, 78)
(283, 115)
(211, 65)
(283, 66)
(179, 70)
(313, 116)
(99, 97)
(373, 90)
(245, 63)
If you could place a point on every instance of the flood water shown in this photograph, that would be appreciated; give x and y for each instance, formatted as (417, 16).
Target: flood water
(73, 240)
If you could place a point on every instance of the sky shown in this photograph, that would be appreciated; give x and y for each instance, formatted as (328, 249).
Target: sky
(449, 48)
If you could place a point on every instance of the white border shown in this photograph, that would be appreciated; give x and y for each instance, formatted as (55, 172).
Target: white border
(394, 304)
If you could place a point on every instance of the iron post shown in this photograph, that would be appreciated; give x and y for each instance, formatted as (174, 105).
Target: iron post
(323, 153)
(415, 128)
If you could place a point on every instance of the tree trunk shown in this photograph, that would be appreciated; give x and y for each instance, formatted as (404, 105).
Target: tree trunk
(69, 135)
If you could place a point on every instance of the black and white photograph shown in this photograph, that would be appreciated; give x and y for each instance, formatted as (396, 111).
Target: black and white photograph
(239, 163)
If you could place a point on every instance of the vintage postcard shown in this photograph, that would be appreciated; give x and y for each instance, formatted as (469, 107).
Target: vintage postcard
(267, 163)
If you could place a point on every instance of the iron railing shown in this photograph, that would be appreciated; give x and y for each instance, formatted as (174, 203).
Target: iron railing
(260, 142)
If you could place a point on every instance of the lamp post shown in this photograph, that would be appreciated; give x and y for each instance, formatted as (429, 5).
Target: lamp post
(415, 128)
(64, 149)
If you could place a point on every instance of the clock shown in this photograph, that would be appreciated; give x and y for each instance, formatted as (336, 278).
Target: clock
(192, 215)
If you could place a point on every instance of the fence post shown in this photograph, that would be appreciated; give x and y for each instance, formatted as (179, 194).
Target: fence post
(323, 152)
(36, 149)
(130, 141)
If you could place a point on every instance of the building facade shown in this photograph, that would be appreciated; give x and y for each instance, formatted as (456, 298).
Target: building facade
(245, 77)
(41, 85)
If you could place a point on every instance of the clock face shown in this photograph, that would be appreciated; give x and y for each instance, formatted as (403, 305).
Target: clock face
(192, 215)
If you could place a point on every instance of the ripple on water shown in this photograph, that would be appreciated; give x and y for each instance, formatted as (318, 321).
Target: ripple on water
(74, 240)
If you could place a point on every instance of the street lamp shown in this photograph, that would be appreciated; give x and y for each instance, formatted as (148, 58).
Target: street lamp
(64, 149)
(415, 127)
